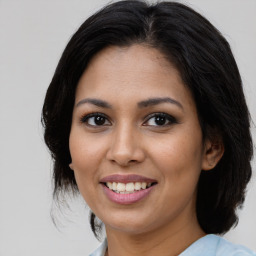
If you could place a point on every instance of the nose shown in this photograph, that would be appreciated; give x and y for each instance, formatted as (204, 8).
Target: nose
(126, 146)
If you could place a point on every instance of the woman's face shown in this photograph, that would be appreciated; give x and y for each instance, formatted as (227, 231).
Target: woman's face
(135, 123)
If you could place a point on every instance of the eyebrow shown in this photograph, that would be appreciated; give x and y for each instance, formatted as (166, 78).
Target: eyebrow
(141, 104)
(156, 101)
(96, 102)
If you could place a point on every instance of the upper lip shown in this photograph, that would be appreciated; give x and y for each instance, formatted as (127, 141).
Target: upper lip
(126, 178)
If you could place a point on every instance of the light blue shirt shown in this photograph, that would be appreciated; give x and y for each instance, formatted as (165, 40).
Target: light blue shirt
(209, 245)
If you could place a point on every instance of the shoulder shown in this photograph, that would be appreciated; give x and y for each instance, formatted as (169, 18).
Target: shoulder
(227, 248)
(212, 245)
(101, 250)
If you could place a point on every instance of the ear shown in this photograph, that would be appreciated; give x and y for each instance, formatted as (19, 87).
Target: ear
(213, 151)
(71, 166)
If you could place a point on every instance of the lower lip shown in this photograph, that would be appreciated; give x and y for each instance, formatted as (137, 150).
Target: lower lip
(126, 198)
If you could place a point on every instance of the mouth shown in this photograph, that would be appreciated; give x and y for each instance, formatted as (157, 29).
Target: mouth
(128, 188)
(127, 184)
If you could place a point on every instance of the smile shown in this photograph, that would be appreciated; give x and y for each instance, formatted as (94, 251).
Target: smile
(128, 188)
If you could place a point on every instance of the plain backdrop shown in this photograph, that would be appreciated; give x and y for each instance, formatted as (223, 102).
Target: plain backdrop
(33, 34)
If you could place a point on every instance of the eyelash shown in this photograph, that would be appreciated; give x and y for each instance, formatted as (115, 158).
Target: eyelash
(171, 120)
(84, 119)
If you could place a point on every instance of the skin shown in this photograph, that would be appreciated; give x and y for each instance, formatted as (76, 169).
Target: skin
(131, 142)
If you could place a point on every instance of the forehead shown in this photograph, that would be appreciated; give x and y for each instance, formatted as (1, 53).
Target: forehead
(137, 57)
(136, 72)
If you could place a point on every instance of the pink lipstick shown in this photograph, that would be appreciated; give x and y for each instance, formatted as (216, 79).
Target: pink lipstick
(127, 189)
(126, 178)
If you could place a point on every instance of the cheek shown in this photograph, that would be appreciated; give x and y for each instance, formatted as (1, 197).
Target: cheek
(179, 149)
(85, 150)
(179, 157)
(83, 165)
(179, 164)
(86, 156)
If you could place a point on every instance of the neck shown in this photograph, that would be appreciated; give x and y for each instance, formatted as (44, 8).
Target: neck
(168, 240)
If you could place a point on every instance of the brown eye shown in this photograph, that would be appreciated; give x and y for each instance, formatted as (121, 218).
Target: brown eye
(95, 120)
(160, 119)
(98, 120)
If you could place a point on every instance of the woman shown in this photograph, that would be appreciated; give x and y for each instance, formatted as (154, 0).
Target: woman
(146, 117)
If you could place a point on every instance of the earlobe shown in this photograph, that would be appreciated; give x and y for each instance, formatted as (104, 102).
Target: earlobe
(213, 152)
(71, 166)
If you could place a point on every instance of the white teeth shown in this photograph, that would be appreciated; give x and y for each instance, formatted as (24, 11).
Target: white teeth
(113, 185)
(120, 187)
(127, 188)
(137, 186)
(109, 184)
(143, 185)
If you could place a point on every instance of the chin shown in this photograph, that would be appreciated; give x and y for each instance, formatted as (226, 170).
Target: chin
(128, 224)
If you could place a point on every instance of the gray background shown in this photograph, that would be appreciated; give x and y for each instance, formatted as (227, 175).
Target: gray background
(33, 34)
